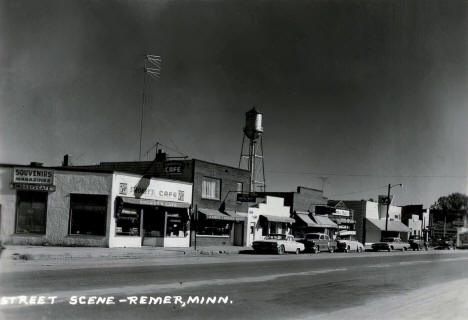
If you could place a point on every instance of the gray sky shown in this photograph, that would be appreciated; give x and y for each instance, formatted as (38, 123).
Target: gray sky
(365, 93)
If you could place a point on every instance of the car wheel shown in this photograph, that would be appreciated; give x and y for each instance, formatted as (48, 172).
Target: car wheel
(404, 249)
(316, 249)
(390, 249)
(298, 251)
(331, 249)
(281, 250)
(359, 249)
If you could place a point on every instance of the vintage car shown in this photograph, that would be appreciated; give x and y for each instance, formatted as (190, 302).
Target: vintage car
(348, 243)
(389, 244)
(316, 242)
(416, 243)
(277, 243)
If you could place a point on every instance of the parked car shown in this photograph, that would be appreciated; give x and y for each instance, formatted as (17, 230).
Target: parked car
(316, 242)
(389, 244)
(278, 243)
(348, 243)
(443, 244)
(416, 243)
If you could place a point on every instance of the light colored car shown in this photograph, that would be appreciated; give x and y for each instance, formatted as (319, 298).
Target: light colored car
(348, 243)
(389, 244)
(278, 243)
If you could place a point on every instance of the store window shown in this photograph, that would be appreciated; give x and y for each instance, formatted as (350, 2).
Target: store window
(88, 214)
(176, 225)
(127, 223)
(31, 212)
(215, 228)
(211, 188)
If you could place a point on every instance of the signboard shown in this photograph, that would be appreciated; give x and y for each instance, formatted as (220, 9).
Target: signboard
(246, 197)
(340, 212)
(153, 189)
(385, 200)
(33, 175)
(33, 187)
(173, 167)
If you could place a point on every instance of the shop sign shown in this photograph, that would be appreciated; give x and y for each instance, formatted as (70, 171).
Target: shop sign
(173, 167)
(340, 212)
(33, 176)
(33, 187)
(153, 189)
(246, 197)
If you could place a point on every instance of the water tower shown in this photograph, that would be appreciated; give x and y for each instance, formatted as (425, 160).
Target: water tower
(252, 158)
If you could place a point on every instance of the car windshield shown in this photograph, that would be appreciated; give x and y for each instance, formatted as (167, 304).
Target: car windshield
(275, 237)
(312, 236)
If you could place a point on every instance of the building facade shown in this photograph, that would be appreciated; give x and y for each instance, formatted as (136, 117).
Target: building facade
(217, 217)
(80, 207)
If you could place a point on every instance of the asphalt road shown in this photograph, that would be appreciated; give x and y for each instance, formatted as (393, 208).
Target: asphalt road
(287, 287)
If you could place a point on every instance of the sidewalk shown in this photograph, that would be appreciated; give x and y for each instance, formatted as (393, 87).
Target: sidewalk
(68, 253)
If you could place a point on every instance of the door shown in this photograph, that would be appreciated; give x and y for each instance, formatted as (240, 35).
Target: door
(238, 233)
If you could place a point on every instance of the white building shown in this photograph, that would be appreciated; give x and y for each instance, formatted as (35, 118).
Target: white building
(270, 216)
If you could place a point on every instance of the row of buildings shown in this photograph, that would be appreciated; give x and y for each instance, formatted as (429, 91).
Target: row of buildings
(176, 202)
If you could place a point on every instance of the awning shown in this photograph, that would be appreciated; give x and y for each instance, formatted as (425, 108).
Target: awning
(278, 219)
(393, 225)
(325, 222)
(212, 214)
(236, 216)
(307, 220)
(151, 202)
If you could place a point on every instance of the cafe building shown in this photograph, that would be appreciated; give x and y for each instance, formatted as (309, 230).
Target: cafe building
(66, 206)
(217, 218)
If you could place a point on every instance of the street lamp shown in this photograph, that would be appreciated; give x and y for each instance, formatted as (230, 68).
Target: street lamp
(388, 203)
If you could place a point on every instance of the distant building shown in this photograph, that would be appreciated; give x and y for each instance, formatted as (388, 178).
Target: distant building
(443, 224)
(371, 223)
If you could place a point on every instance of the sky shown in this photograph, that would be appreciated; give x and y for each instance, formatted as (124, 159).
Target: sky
(354, 94)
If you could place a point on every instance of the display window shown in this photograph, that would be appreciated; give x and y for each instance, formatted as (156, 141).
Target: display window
(165, 222)
(214, 228)
(88, 214)
(127, 223)
(31, 212)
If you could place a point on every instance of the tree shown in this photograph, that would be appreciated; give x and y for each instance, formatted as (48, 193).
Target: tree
(454, 201)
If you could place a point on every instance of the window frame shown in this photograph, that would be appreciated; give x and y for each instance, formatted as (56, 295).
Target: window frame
(17, 212)
(218, 198)
(69, 233)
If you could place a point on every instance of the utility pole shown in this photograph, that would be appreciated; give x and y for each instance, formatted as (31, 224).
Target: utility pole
(389, 202)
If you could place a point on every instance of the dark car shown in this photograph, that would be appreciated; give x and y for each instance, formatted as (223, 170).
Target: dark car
(316, 242)
(416, 243)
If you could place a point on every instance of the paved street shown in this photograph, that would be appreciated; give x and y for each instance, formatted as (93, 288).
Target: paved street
(369, 285)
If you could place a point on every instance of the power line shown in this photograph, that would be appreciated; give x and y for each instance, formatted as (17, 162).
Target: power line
(367, 175)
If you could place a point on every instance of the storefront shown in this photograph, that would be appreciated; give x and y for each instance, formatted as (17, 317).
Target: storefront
(150, 212)
(49, 206)
(270, 216)
(71, 207)
(376, 229)
(213, 227)
(307, 222)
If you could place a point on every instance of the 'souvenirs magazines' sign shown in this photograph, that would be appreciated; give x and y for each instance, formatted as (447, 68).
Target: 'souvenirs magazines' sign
(33, 176)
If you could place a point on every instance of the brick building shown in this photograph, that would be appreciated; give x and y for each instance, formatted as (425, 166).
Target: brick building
(213, 185)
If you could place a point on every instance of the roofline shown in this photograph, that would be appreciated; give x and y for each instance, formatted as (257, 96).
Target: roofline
(57, 168)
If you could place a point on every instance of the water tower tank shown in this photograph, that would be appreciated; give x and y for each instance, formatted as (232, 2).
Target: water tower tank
(253, 124)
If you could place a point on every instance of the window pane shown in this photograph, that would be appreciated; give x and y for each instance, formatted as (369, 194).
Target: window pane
(215, 228)
(210, 188)
(31, 212)
(128, 222)
(88, 214)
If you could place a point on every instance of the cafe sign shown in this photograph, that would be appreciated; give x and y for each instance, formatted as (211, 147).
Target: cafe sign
(38, 176)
